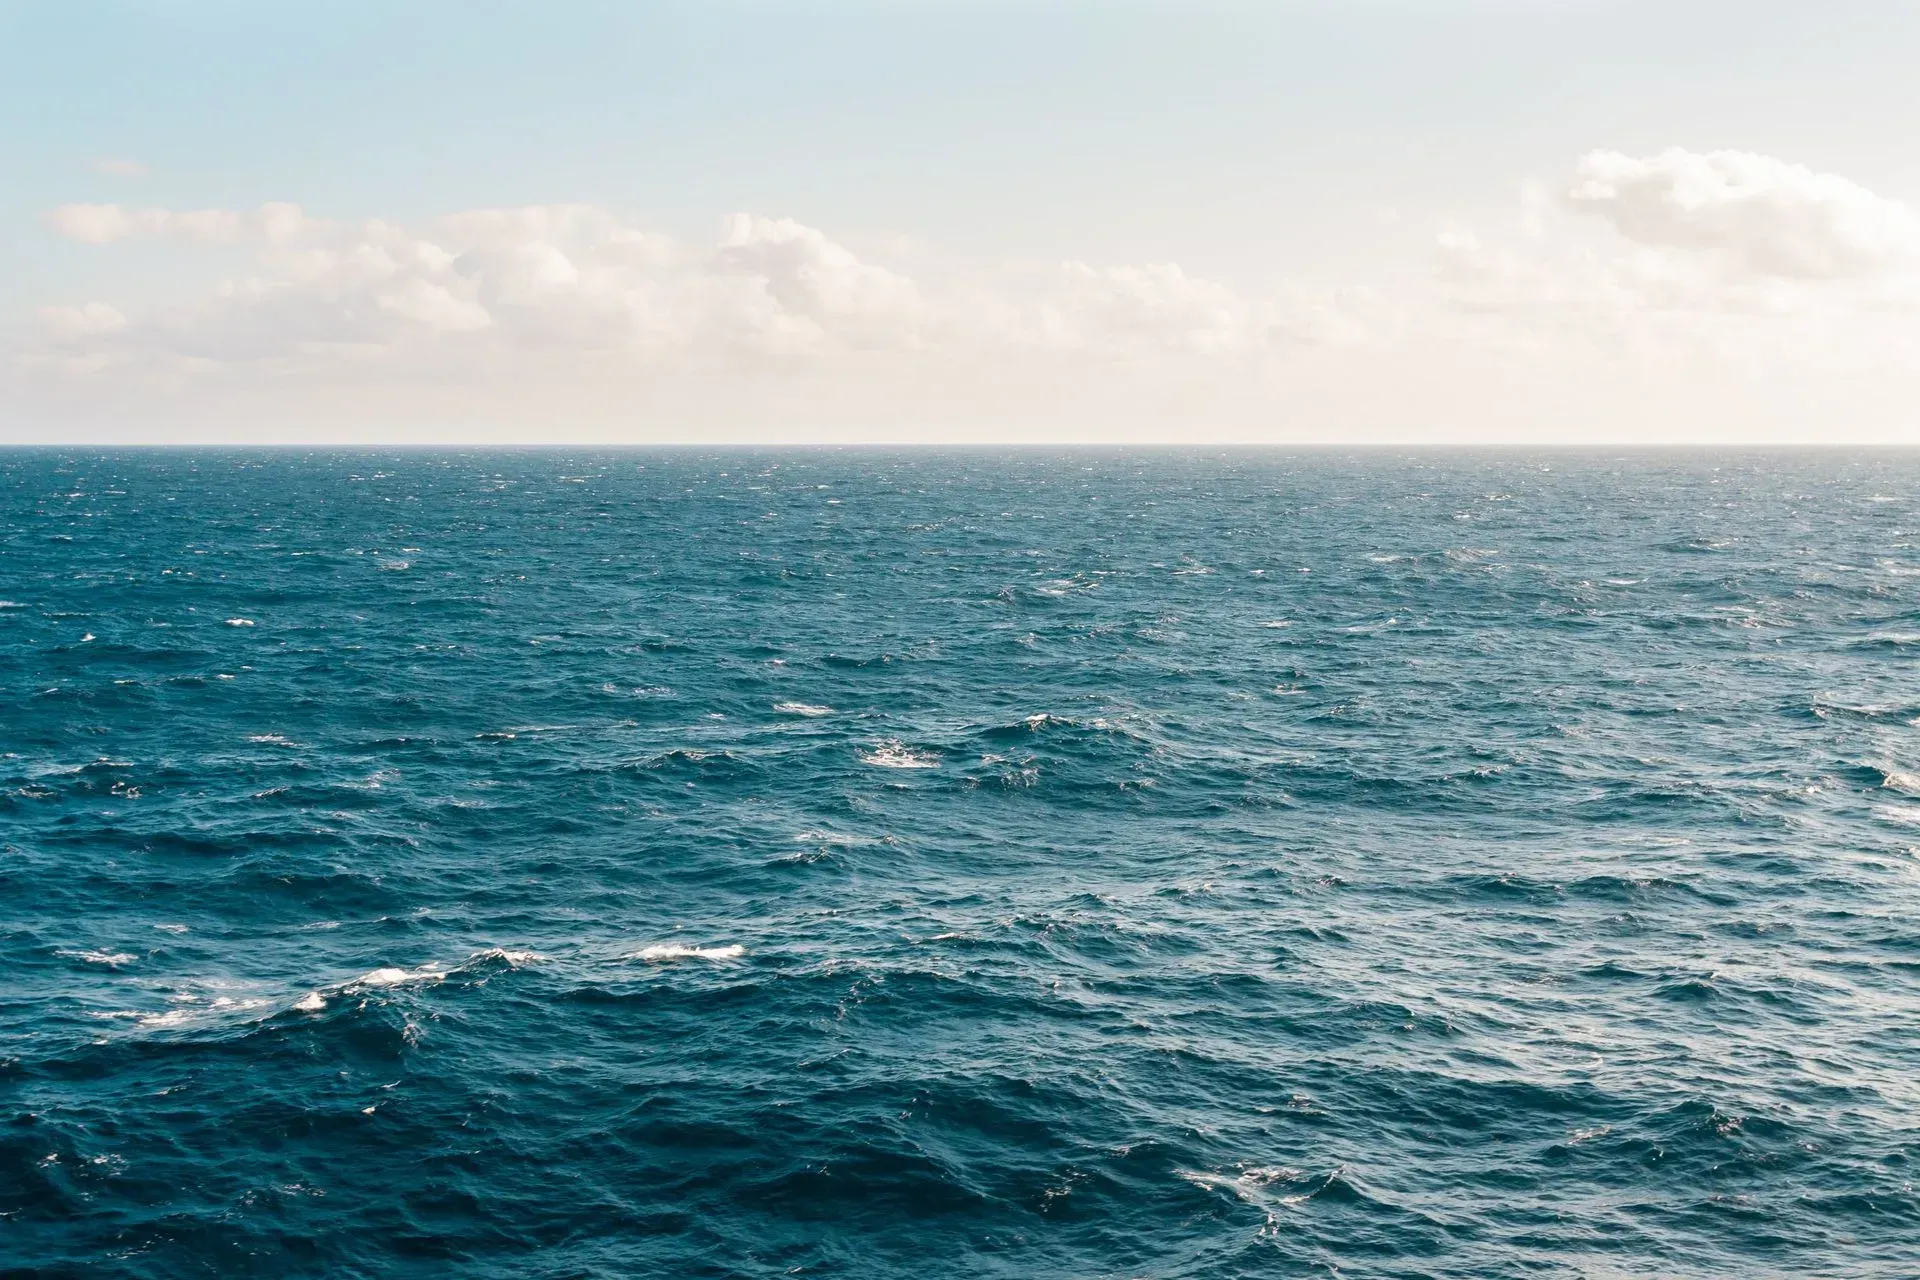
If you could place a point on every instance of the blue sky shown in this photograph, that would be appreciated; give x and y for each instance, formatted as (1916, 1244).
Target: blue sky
(1302, 159)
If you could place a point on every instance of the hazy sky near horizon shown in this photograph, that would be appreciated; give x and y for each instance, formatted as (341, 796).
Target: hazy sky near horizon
(1545, 221)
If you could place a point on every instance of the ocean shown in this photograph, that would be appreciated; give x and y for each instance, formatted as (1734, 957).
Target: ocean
(1038, 864)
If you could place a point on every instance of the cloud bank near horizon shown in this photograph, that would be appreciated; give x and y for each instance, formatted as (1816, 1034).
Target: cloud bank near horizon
(1696, 289)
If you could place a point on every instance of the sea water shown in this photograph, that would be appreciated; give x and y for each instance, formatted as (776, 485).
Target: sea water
(712, 863)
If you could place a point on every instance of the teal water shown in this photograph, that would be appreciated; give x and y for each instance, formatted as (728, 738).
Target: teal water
(849, 864)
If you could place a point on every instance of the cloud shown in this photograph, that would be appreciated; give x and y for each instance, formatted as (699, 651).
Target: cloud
(1679, 278)
(1724, 265)
(1760, 215)
(500, 283)
(119, 167)
(576, 278)
(1722, 232)
(75, 324)
(108, 223)
(1540, 272)
(1159, 312)
(801, 287)
(1157, 307)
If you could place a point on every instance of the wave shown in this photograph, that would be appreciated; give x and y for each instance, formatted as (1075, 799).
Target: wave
(667, 952)
(112, 959)
(835, 838)
(1896, 780)
(1888, 640)
(395, 977)
(1824, 709)
(1276, 1189)
(433, 971)
(801, 709)
(895, 754)
(193, 1008)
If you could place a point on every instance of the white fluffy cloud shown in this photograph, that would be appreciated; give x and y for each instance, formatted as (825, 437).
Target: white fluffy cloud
(1720, 233)
(1736, 270)
(1761, 215)
(1676, 278)
(538, 278)
(794, 286)
(576, 278)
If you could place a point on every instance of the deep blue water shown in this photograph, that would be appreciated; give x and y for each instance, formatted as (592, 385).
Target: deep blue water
(843, 864)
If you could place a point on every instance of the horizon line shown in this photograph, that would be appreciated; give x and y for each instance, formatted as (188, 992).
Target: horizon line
(880, 446)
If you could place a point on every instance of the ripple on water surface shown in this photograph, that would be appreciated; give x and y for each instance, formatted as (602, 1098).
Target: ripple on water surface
(945, 865)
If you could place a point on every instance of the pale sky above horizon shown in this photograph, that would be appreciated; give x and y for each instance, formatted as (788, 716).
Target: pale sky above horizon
(1298, 221)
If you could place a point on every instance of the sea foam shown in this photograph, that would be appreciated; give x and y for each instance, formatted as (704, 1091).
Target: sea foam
(895, 754)
(666, 952)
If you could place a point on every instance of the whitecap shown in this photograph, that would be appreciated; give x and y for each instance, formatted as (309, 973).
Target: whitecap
(112, 958)
(1276, 624)
(802, 858)
(801, 709)
(895, 754)
(391, 976)
(191, 1010)
(239, 622)
(663, 952)
(512, 957)
(1907, 782)
(394, 976)
(1248, 1184)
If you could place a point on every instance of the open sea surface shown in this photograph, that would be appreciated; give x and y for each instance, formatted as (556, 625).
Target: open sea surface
(750, 864)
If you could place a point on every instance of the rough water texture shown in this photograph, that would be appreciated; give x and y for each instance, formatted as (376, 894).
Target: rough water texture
(1159, 865)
